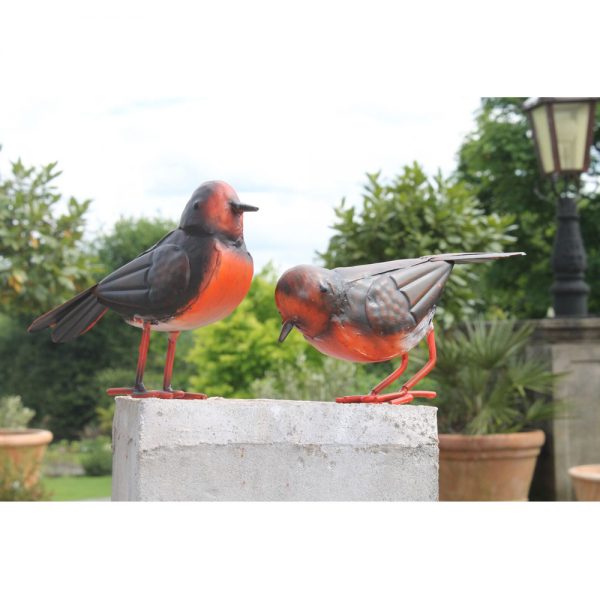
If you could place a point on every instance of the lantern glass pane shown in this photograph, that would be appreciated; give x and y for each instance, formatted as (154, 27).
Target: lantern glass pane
(571, 122)
(541, 127)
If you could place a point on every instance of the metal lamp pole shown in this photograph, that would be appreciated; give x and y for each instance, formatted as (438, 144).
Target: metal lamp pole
(569, 290)
(562, 131)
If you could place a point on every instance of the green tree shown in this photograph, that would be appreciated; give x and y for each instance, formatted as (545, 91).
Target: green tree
(411, 216)
(228, 356)
(41, 261)
(497, 162)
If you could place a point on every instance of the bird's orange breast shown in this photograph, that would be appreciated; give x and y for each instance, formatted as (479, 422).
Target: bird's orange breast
(349, 343)
(226, 287)
(346, 340)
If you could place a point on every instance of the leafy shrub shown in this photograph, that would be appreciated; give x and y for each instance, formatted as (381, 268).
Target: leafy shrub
(96, 456)
(13, 415)
(105, 379)
(304, 380)
(41, 260)
(104, 417)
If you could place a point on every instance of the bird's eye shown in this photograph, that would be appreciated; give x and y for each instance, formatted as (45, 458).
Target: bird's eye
(196, 205)
(322, 288)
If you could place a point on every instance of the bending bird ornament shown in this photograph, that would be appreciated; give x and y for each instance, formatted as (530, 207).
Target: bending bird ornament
(195, 275)
(371, 313)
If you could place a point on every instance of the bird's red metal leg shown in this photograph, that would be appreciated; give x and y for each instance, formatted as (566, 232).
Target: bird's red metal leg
(373, 396)
(138, 389)
(142, 356)
(170, 360)
(391, 378)
(406, 393)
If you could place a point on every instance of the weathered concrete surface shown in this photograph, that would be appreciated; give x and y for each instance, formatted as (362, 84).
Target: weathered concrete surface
(220, 449)
(569, 346)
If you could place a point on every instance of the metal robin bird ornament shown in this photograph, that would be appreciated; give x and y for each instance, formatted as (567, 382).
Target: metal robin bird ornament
(197, 274)
(371, 313)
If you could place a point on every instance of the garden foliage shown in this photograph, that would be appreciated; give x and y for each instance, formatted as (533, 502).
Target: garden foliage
(13, 415)
(96, 456)
(302, 380)
(41, 262)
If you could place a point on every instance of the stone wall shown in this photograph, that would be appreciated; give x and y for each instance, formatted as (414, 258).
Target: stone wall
(569, 346)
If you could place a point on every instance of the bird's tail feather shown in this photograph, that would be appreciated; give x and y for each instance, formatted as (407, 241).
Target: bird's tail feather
(472, 257)
(73, 318)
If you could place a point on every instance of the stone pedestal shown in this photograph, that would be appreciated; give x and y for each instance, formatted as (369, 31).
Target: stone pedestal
(570, 346)
(219, 449)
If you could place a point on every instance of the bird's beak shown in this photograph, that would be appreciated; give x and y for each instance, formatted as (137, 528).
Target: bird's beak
(285, 329)
(244, 207)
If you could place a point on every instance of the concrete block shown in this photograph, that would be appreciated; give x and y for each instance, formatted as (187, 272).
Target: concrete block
(220, 449)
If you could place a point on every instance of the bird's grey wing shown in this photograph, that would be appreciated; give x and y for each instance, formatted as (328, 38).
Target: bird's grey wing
(362, 271)
(458, 258)
(148, 285)
(162, 240)
(398, 300)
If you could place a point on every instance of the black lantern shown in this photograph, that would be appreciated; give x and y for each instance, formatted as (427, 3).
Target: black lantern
(562, 131)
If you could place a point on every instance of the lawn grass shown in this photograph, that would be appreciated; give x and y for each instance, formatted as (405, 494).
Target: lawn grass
(78, 488)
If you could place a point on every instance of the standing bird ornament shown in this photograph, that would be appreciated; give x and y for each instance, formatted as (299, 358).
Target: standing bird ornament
(197, 274)
(371, 313)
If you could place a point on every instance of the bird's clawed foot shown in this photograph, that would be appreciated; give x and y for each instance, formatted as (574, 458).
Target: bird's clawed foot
(401, 397)
(167, 393)
(181, 395)
(164, 394)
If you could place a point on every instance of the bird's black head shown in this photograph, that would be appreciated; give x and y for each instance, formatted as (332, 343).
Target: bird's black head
(215, 208)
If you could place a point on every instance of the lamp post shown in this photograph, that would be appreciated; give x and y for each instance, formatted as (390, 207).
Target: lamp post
(562, 131)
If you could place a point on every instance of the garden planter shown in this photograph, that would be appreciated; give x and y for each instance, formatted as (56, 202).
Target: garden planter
(488, 467)
(21, 454)
(586, 481)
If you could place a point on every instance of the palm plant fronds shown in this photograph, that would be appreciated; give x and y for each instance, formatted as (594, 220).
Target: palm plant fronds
(486, 384)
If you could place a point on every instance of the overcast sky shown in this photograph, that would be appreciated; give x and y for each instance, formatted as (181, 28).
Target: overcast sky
(290, 106)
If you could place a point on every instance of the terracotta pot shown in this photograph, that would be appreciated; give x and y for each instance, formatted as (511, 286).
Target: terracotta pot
(586, 481)
(488, 467)
(21, 453)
